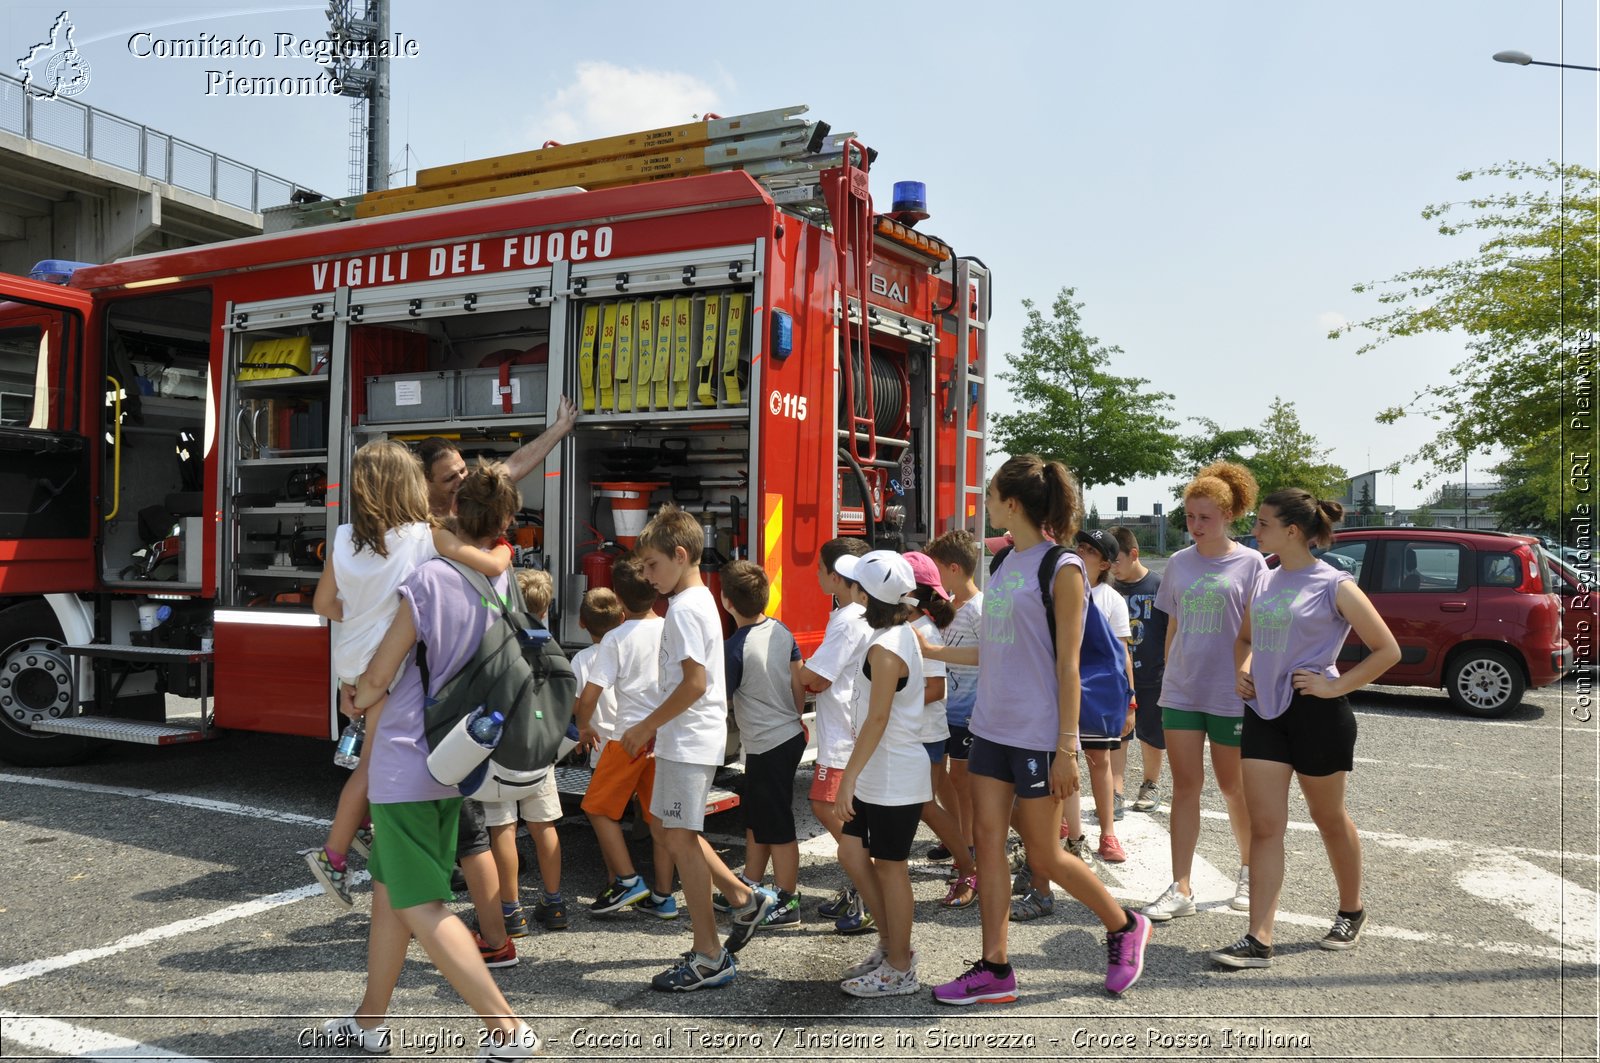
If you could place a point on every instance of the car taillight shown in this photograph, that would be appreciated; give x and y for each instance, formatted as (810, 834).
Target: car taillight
(1532, 581)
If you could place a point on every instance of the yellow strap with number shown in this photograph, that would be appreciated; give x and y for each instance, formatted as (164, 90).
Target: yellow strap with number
(608, 346)
(586, 338)
(662, 377)
(627, 315)
(706, 366)
(682, 350)
(733, 335)
(644, 373)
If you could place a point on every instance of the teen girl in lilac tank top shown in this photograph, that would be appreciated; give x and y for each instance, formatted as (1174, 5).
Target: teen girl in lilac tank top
(1025, 728)
(1298, 721)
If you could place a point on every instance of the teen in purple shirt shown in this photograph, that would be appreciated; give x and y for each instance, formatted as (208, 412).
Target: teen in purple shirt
(1299, 721)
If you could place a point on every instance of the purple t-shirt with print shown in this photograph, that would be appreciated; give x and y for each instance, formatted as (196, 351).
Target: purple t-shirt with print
(450, 617)
(1206, 599)
(1017, 690)
(1294, 623)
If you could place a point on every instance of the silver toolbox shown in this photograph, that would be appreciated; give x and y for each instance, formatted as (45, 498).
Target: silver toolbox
(479, 394)
(410, 397)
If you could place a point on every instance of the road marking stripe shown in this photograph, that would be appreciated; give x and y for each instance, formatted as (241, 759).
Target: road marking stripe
(1411, 720)
(204, 804)
(79, 1042)
(1420, 845)
(1550, 904)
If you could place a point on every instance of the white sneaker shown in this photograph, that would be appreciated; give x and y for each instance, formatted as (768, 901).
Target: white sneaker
(1241, 892)
(520, 1045)
(1173, 904)
(347, 1033)
(873, 961)
(884, 981)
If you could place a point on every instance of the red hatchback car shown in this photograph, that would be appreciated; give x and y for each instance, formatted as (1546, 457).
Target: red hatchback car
(1472, 610)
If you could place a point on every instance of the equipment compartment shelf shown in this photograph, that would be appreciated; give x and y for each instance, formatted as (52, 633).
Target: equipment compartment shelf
(276, 572)
(279, 511)
(312, 458)
(319, 382)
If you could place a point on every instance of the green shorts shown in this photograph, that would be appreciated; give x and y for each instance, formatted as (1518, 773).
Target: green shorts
(414, 850)
(1222, 730)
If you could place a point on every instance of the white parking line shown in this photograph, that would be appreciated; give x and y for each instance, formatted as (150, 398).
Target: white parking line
(79, 1042)
(1550, 904)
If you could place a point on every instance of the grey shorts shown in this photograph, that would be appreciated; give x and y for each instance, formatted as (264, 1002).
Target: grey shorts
(679, 797)
(541, 806)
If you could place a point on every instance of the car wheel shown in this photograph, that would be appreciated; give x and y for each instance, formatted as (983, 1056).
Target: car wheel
(1485, 683)
(35, 684)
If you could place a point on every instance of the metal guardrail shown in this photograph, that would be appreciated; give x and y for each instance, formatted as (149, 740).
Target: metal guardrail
(104, 137)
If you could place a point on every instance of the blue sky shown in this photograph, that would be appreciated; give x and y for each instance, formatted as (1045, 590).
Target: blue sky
(1212, 179)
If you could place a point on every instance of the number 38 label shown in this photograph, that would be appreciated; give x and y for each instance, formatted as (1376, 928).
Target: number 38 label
(783, 404)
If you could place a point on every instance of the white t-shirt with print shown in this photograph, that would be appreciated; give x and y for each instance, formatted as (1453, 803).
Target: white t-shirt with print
(629, 667)
(935, 725)
(897, 773)
(693, 631)
(844, 642)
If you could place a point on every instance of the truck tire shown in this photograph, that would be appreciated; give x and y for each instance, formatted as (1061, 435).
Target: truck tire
(35, 684)
(1485, 683)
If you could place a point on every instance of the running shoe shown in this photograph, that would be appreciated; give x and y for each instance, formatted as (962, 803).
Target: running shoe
(979, 985)
(1346, 931)
(516, 921)
(551, 914)
(504, 956)
(857, 920)
(1149, 798)
(873, 961)
(883, 981)
(1241, 892)
(620, 894)
(1246, 952)
(1035, 904)
(1125, 953)
(694, 971)
(745, 921)
(334, 881)
(839, 905)
(1111, 850)
(660, 907)
(785, 914)
(347, 1033)
(1173, 904)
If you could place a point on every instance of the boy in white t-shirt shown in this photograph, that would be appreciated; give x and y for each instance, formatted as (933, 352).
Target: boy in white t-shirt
(689, 730)
(830, 675)
(627, 667)
(600, 613)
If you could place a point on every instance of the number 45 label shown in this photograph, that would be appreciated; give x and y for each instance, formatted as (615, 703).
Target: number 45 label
(782, 404)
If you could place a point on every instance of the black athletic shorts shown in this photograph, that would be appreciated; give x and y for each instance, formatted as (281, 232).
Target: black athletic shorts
(887, 831)
(1147, 717)
(959, 745)
(1314, 736)
(472, 837)
(768, 794)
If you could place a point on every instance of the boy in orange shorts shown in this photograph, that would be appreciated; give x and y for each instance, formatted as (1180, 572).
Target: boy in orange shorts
(629, 665)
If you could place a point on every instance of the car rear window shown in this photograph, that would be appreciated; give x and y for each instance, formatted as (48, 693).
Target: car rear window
(1498, 570)
(1349, 556)
(1412, 566)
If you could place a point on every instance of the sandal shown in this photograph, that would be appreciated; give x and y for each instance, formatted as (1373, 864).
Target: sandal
(1034, 904)
(963, 891)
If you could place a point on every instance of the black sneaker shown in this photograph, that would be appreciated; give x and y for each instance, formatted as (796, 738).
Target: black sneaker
(785, 914)
(619, 895)
(744, 922)
(1246, 952)
(1346, 931)
(552, 915)
(693, 971)
(938, 854)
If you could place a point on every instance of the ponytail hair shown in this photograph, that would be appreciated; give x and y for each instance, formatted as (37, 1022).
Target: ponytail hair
(936, 605)
(1047, 492)
(1231, 486)
(1315, 517)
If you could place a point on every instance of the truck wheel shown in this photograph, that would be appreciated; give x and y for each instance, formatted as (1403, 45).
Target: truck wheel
(35, 684)
(1485, 683)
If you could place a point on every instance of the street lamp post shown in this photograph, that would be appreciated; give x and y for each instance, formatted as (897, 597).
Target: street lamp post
(1524, 59)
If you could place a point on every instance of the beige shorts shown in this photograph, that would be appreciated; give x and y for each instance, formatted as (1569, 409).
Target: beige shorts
(541, 806)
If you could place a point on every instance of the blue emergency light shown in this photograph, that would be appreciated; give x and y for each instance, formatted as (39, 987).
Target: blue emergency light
(910, 201)
(56, 270)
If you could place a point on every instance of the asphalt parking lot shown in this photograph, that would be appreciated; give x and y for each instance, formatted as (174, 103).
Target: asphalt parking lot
(156, 908)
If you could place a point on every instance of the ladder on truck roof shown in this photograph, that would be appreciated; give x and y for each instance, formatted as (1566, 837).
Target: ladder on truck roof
(779, 148)
(971, 284)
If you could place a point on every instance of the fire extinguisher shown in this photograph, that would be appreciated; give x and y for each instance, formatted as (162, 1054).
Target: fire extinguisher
(596, 564)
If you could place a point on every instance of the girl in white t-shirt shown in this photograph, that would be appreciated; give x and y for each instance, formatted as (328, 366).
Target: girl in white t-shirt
(391, 534)
(886, 783)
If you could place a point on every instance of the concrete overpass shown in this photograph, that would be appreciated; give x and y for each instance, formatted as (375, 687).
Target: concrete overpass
(80, 183)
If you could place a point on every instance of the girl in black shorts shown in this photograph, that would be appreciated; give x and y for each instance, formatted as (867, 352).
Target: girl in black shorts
(1297, 720)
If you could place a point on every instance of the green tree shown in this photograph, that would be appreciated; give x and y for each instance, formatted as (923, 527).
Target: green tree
(1531, 476)
(1289, 456)
(1364, 505)
(1105, 428)
(1423, 517)
(1526, 299)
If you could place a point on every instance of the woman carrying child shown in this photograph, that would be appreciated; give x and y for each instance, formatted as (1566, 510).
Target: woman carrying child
(392, 533)
(1025, 728)
(1298, 720)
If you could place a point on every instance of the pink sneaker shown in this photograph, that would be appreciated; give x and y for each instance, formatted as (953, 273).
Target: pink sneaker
(1125, 954)
(979, 985)
(1111, 849)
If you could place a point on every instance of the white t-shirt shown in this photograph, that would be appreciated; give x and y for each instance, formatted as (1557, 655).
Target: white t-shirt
(693, 631)
(1114, 607)
(961, 680)
(628, 666)
(604, 720)
(897, 773)
(844, 642)
(369, 587)
(935, 726)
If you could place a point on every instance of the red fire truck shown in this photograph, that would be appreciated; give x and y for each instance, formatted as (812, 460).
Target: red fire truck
(748, 339)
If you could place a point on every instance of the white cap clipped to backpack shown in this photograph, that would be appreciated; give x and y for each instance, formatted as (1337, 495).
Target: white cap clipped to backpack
(883, 574)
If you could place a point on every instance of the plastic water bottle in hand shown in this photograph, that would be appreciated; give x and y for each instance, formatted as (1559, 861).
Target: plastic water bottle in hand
(347, 754)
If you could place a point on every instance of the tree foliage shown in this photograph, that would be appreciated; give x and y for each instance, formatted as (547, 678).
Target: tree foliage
(1289, 456)
(1105, 428)
(1525, 300)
